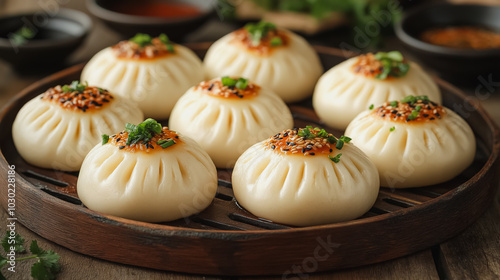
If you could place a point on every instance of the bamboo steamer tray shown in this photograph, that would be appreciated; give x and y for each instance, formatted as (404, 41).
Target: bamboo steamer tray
(225, 239)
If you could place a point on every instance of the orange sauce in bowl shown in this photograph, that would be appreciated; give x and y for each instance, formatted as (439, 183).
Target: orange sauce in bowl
(153, 8)
(462, 37)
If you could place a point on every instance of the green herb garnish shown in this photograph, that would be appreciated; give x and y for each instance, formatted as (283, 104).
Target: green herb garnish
(392, 128)
(47, 265)
(142, 132)
(75, 86)
(371, 107)
(105, 139)
(413, 115)
(261, 30)
(412, 99)
(240, 83)
(165, 143)
(335, 159)
(394, 104)
(393, 65)
(143, 40)
(306, 133)
(341, 141)
(276, 42)
(21, 36)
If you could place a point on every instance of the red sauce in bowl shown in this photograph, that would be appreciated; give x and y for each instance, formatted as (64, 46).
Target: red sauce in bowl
(462, 37)
(154, 8)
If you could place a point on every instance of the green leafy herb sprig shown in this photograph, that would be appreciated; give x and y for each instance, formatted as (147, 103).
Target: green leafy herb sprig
(47, 264)
(260, 30)
(339, 143)
(240, 83)
(143, 40)
(75, 86)
(393, 65)
(143, 131)
(22, 36)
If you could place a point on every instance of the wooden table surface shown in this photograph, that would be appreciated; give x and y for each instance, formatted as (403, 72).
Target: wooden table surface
(473, 254)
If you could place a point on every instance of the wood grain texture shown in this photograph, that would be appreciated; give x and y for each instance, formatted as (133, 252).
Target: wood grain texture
(417, 266)
(475, 254)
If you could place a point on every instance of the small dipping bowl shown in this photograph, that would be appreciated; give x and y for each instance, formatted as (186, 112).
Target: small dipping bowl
(54, 38)
(176, 18)
(459, 65)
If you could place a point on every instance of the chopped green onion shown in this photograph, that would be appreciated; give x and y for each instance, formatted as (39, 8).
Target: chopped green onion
(392, 128)
(331, 139)
(341, 141)
(409, 99)
(75, 86)
(105, 139)
(164, 38)
(322, 133)
(242, 83)
(345, 139)
(418, 108)
(306, 133)
(165, 143)
(371, 107)
(141, 39)
(413, 115)
(259, 30)
(335, 159)
(228, 81)
(276, 42)
(393, 55)
(394, 104)
(392, 64)
(143, 131)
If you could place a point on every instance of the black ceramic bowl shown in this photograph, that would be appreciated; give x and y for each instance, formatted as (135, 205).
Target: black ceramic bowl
(55, 38)
(458, 65)
(132, 22)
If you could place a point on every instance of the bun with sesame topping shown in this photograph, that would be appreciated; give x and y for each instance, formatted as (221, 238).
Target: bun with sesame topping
(274, 58)
(350, 87)
(59, 127)
(147, 173)
(227, 115)
(305, 177)
(414, 142)
(153, 72)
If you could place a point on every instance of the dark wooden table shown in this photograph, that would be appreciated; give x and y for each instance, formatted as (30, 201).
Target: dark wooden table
(473, 254)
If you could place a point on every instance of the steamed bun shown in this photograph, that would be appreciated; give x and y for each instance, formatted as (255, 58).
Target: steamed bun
(274, 58)
(305, 177)
(226, 120)
(59, 127)
(157, 179)
(414, 142)
(153, 73)
(352, 86)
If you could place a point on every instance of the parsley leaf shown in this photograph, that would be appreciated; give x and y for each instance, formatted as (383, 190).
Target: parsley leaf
(48, 263)
(17, 243)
